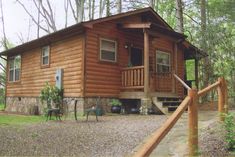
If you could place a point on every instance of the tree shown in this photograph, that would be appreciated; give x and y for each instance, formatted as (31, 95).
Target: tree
(45, 11)
(108, 8)
(119, 6)
(179, 17)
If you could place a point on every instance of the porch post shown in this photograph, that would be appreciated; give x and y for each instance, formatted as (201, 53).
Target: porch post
(196, 73)
(146, 63)
(145, 102)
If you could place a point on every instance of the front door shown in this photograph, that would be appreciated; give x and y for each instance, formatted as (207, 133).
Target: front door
(136, 56)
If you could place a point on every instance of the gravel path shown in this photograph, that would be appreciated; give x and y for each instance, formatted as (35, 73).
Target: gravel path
(111, 136)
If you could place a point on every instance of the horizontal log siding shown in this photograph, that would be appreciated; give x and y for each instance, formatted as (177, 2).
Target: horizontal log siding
(163, 81)
(180, 73)
(104, 78)
(66, 54)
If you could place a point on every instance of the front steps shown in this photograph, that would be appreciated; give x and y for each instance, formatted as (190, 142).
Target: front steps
(165, 105)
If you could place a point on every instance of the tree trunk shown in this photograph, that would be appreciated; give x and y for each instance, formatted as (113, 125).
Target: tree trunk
(90, 10)
(108, 8)
(179, 17)
(93, 9)
(152, 3)
(119, 6)
(81, 11)
(205, 62)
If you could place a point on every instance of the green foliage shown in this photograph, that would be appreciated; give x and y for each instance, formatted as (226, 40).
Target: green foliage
(19, 119)
(115, 102)
(229, 124)
(2, 107)
(190, 69)
(51, 94)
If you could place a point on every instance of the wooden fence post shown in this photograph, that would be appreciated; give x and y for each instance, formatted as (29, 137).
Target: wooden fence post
(222, 98)
(193, 122)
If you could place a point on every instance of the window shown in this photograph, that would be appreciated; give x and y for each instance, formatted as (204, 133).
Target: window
(163, 62)
(14, 68)
(108, 50)
(45, 55)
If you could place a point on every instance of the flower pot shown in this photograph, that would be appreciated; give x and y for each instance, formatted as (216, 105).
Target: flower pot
(134, 111)
(116, 109)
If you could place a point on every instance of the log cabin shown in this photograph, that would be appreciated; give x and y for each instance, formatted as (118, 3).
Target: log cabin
(131, 56)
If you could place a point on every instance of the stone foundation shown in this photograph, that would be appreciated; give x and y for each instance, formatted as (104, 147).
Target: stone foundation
(145, 105)
(103, 103)
(33, 105)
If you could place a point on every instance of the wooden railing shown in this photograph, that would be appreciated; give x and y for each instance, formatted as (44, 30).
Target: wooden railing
(182, 82)
(191, 102)
(133, 77)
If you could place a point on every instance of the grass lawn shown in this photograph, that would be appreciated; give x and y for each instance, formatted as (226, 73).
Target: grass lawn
(19, 119)
(1, 107)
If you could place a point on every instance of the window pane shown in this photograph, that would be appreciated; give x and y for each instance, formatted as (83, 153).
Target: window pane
(17, 62)
(11, 63)
(107, 55)
(45, 60)
(17, 74)
(165, 68)
(163, 58)
(45, 51)
(11, 76)
(108, 45)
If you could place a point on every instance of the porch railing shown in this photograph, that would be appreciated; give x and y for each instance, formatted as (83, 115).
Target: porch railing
(133, 77)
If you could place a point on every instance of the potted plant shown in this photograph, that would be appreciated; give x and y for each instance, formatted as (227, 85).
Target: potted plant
(115, 106)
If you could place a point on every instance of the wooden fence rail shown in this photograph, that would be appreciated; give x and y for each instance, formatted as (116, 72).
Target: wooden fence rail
(191, 102)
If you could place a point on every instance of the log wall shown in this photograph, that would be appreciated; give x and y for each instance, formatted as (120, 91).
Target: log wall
(66, 54)
(104, 78)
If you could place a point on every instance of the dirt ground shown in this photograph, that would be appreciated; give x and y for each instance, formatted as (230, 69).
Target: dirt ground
(111, 136)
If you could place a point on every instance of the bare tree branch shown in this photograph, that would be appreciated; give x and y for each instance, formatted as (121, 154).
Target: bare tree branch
(3, 58)
(3, 27)
(31, 16)
(73, 11)
(66, 8)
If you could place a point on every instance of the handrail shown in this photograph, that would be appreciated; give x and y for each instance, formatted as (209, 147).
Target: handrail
(134, 67)
(182, 82)
(191, 102)
(209, 88)
(159, 134)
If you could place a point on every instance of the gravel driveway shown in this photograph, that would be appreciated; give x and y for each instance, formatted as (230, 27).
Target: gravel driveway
(111, 136)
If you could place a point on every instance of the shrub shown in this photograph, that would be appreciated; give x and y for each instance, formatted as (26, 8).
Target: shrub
(230, 130)
(51, 94)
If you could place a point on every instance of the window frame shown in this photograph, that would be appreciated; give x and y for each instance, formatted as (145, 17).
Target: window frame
(13, 59)
(42, 56)
(162, 64)
(100, 49)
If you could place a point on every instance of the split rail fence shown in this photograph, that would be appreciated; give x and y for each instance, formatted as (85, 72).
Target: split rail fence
(191, 102)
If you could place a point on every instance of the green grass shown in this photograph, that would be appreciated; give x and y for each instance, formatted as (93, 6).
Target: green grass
(1, 107)
(20, 119)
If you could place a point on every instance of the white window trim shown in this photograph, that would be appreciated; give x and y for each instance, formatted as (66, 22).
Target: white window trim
(42, 55)
(13, 58)
(169, 65)
(115, 52)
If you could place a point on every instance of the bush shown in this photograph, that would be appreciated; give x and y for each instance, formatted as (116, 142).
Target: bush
(229, 125)
(51, 94)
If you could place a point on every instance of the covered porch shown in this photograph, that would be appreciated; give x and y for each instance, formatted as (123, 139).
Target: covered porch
(145, 77)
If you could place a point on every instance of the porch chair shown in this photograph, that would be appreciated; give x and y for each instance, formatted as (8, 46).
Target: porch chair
(95, 109)
(56, 111)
